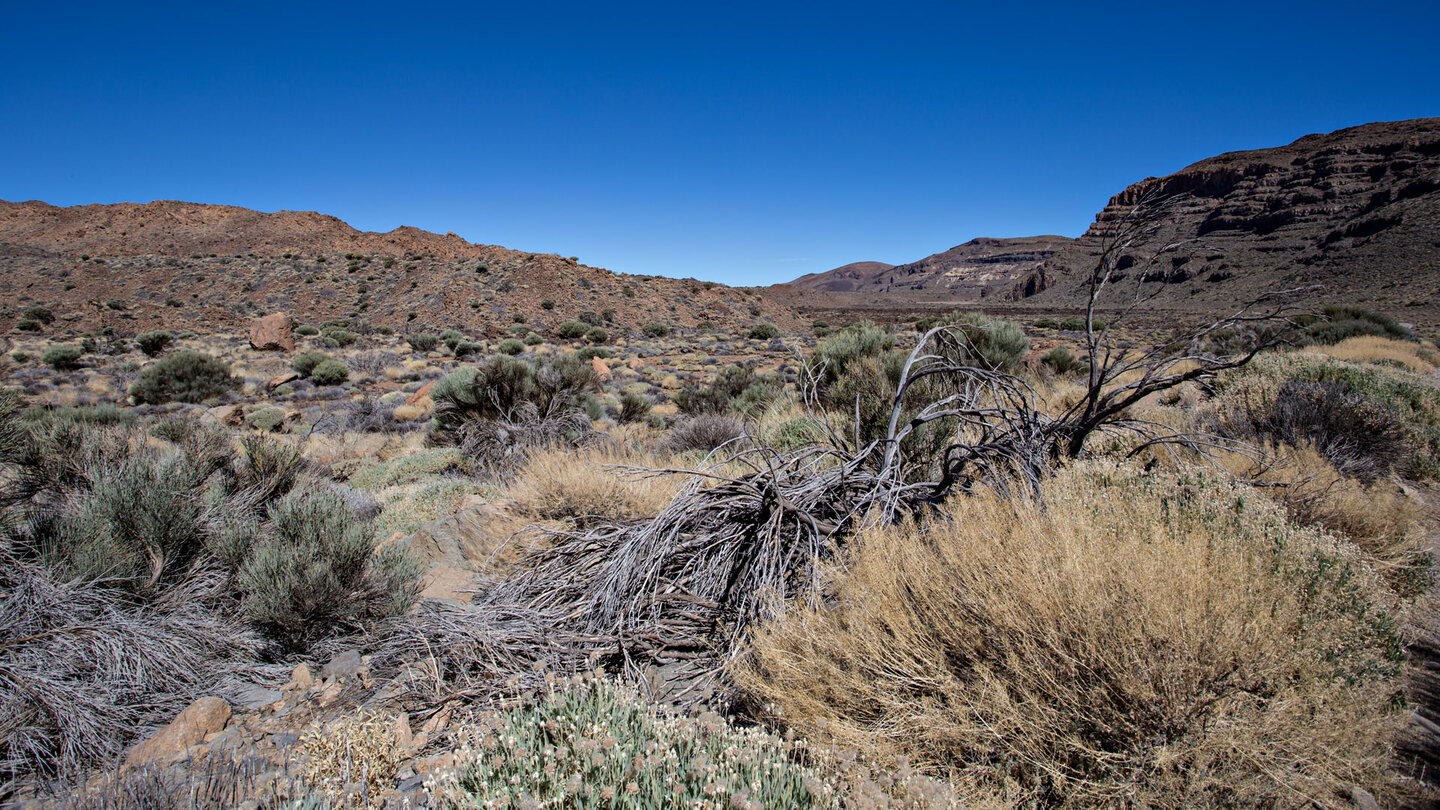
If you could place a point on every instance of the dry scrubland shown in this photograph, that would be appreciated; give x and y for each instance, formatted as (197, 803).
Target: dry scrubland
(717, 570)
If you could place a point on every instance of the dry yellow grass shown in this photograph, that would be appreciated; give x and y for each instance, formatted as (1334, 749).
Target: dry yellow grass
(578, 484)
(1382, 519)
(1144, 640)
(1371, 349)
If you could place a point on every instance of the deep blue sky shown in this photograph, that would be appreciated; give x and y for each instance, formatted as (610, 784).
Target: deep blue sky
(741, 142)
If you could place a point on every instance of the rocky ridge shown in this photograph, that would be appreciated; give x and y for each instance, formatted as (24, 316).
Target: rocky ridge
(1356, 212)
(179, 265)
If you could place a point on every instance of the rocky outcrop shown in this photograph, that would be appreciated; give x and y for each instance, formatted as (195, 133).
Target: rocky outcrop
(1355, 212)
(274, 332)
(1350, 216)
(204, 717)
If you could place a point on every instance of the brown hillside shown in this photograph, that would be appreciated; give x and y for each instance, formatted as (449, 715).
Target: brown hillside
(853, 276)
(207, 267)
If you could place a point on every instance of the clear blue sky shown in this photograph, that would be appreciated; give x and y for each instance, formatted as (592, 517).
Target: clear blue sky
(742, 142)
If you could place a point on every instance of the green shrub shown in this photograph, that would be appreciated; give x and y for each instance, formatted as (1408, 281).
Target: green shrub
(572, 330)
(596, 745)
(138, 518)
(533, 339)
(153, 343)
(186, 376)
(634, 407)
(1342, 322)
(306, 330)
(267, 418)
(548, 304)
(422, 341)
(39, 313)
(306, 363)
(62, 356)
(1076, 323)
(1060, 359)
(511, 346)
(763, 331)
(329, 372)
(342, 337)
(597, 335)
(465, 348)
(318, 570)
(20, 357)
(989, 343)
(451, 338)
(28, 325)
(594, 351)
(654, 330)
(504, 386)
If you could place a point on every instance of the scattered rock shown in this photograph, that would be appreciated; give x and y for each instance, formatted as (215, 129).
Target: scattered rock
(201, 718)
(284, 741)
(252, 697)
(276, 382)
(342, 666)
(274, 332)
(600, 368)
(401, 729)
(300, 679)
(231, 415)
(422, 393)
(1363, 799)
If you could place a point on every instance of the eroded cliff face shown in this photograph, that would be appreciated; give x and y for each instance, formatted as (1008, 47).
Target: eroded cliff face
(1356, 211)
(972, 271)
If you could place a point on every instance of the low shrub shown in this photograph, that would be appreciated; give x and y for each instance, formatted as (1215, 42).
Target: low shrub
(451, 337)
(62, 356)
(989, 343)
(572, 330)
(423, 341)
(306, 330)
(597, 335)
(655, 330)
(1143, 639)
(38, 312)
(634, 407)
(153, 343)
(533, 339)
(1344, 322)
(591, 743)
(185, 376)
(1076, 323)
(306, 363)
(329, 372)
(318, 569)
(589, 352)
(511, 346)
(29, 325)
(705, 431)
(1059, 359)
(341, 337)
(763, 331)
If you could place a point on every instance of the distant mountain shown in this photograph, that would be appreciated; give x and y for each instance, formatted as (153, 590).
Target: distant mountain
(853, 276)
(1356, 211)
(207, 267)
